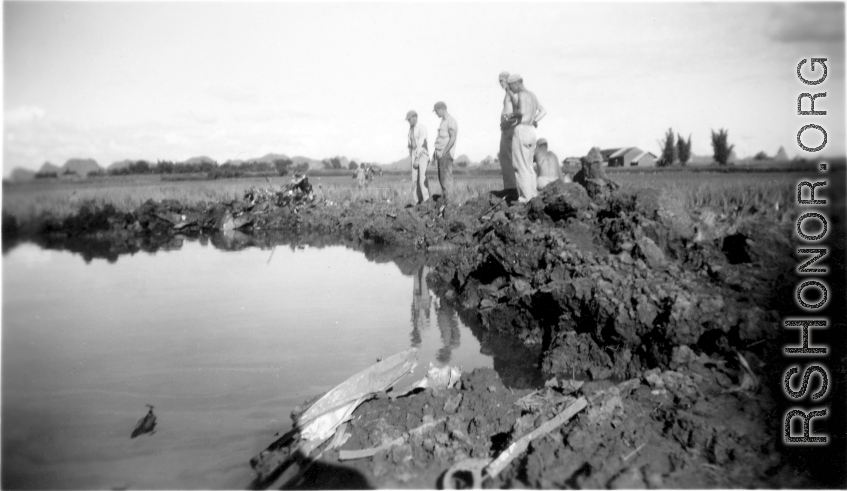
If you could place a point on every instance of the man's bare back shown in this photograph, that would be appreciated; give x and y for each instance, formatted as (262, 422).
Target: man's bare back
(526, 106)
(548, 164)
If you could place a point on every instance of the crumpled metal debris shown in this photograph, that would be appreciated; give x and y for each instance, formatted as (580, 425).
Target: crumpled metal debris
(289, 457)
(335, 407)
(445, 377)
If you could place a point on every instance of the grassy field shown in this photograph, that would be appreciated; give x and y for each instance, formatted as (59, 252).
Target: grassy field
(691, 190)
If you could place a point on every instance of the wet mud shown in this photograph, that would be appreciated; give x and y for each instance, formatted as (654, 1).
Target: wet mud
(666, 321)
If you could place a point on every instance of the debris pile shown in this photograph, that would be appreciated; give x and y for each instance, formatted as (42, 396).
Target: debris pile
(654, 430)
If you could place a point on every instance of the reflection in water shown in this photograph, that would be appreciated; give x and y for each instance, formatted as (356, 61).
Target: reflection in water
(448, 323)
(445, 316)
(421, 303)
(225, 345)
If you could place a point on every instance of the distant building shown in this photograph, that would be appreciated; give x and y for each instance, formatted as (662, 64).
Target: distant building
(644, 159)
(627, 156)
(572, 161)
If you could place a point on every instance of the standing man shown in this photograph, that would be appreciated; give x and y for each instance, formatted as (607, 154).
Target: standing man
(527, 113)
(507, 130)
(360, 175)
(445, 149)
(547, 165)
(419, 155)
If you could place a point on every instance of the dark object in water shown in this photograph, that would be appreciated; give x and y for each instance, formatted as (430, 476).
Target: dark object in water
(145, 424)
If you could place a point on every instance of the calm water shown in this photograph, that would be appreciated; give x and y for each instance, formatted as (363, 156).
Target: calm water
(223, 344)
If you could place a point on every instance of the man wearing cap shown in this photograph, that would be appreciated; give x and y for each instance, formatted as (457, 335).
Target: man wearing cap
(445, 150)
(419, 155)
(546, 165)
(507, 130)
(527, 113)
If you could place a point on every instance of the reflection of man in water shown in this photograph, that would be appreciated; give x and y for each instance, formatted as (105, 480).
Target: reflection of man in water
(448, 320)
(448, 323)
(421, 302)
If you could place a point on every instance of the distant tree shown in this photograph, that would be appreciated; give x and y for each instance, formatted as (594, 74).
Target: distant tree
(164, 167)
(668, 150)
(761, 156)
(721, 147)
(282, 166)
(352, 165)
(207, 166)
(139, 167)
(683, 149)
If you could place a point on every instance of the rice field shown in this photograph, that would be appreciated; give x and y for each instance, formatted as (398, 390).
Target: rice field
(719, 191)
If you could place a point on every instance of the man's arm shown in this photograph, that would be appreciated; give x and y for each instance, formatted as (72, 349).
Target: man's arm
(414, 144)
(452, 132)
(540, 111)
(421, 140)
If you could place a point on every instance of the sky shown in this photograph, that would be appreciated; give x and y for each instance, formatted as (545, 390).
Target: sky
(170, 81)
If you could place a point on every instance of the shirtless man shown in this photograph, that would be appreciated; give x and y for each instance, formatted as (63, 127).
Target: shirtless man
(527, 113)
(507, 130)
(547, 165)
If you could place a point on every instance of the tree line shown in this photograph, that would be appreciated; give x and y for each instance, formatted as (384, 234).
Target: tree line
(211, 168)
(679, 151)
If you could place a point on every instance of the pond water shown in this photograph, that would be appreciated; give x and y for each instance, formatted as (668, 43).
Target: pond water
(224, 344)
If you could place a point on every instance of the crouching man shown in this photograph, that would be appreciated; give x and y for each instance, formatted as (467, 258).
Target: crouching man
(547, 165)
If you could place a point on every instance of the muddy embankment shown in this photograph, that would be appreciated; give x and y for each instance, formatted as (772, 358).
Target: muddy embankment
(670, 318)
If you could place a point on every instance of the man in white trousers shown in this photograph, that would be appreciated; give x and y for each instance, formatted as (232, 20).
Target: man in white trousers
(419, 155)
(527, 112)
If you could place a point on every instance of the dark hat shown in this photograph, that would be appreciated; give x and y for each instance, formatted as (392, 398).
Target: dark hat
(439, 105)
(410, 114)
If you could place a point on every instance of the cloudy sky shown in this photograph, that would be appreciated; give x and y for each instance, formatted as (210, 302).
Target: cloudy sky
(112, 81)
